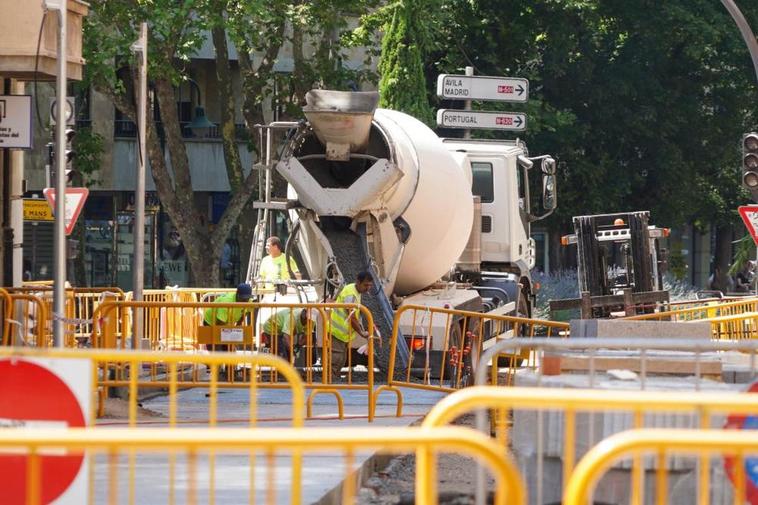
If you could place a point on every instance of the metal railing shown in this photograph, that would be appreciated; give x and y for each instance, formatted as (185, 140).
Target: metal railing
(137, 373)
(180, 326)
(210, 449)
(79, 304)
(661, 444)
(699, 312)
(638, 407)
(446, 345)
(592, 349)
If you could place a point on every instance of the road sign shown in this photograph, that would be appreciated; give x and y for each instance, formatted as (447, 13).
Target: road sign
(450, 118)
(16, 121)
(75, 198)
(749, 214)
(70, 110)
(45, 393)
(482, 87)
(743, 422)
(36, 209)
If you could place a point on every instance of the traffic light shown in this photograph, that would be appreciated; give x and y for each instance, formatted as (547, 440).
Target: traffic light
(70, 154)
(750, 162)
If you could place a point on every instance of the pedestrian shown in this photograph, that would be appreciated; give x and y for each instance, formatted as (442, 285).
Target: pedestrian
(285, 330)
(274, 265)
(743, 280)
(346, 324)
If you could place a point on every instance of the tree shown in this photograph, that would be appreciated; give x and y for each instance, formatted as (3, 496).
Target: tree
(644, 102)
(176, 32)
(403, 84)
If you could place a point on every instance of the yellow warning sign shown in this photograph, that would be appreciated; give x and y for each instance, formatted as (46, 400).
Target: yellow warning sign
(37, 210)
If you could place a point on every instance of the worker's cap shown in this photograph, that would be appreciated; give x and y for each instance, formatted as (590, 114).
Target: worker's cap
(244, 291)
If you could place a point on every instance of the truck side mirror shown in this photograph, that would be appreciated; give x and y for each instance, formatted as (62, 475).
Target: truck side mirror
(549, 193)
(548, 166)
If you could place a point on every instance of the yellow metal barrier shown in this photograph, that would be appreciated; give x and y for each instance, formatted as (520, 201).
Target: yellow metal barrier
(445, 345)
(201, 445)
(79, 304)
(28, 321)
(7, 308)
(173, 372)
(739, 327)
(662, 443)
(701, 312)
(573, 401)
(313, 357)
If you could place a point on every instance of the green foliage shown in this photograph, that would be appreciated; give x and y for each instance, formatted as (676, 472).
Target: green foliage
(89, 149)
(403, 84)
(645, 102)
(744, 252)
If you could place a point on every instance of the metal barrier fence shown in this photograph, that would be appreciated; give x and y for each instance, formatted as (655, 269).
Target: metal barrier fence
(739, 327)
(700, 312)
(238, 450)
(315, 353)
(661, 444)
(27, 322)
(596, 355)
(446, 345)
(634, 354)
(79, 303)
(574, 406)
(7, 310)
(138, 373)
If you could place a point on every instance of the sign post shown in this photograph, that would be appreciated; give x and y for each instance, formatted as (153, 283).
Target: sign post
(52, 394)
(74, 203)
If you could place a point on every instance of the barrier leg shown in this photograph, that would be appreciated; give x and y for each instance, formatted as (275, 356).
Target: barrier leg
(316, 392)
(393, 389)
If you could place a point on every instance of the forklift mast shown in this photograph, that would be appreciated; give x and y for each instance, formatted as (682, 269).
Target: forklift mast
(620, 265)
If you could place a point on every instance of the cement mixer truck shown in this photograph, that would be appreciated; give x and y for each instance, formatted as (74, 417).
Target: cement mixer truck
(438, 222)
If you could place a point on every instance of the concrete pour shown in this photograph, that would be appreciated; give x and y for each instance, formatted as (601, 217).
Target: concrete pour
(322, 473)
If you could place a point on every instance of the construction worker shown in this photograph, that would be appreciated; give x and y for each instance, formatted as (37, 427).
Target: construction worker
(274, 265)
(287, 328)
(222, 315)
(346, 324)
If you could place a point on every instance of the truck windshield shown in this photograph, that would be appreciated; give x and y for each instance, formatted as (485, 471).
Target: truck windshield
(481, 181)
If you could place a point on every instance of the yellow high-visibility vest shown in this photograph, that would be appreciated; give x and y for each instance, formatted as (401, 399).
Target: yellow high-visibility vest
(340, 327)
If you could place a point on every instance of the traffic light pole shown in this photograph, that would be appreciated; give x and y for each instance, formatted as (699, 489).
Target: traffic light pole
(59, 236)
(747, 33)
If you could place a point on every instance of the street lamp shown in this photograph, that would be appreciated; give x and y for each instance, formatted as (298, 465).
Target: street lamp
(199, 125)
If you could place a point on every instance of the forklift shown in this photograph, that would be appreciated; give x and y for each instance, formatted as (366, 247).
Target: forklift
(620, 266)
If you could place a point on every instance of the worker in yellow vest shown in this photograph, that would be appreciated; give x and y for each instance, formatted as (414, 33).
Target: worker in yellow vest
(346, 324)
(274, 266)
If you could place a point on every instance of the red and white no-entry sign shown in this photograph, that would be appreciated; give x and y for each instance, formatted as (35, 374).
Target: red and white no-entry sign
(749, 214)
(45, 393)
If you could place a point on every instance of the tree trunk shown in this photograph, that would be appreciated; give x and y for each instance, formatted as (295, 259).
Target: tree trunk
(226, 99)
